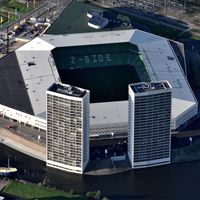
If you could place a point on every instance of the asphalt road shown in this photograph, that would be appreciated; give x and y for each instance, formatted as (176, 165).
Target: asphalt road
(26, 132)
(44, 10)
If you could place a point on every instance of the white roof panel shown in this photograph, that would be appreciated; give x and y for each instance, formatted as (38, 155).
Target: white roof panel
(155, 52)
(162, 64)
(35, 45)
(80, 39)
(37, 73)
(109, 112)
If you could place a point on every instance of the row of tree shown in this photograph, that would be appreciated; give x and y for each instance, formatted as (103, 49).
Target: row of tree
(95, 195)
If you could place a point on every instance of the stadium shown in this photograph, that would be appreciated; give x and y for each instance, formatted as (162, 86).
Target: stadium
(102, 62)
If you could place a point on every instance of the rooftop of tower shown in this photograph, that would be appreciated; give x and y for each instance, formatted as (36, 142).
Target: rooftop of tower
(150, 86)
(68, 90)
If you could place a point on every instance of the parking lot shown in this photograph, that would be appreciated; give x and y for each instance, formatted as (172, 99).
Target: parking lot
(26, 132)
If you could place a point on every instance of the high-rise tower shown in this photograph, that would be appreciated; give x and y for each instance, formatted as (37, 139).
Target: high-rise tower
(67, 127)
(149, 139)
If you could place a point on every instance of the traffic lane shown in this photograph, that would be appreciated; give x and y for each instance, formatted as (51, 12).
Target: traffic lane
(24, 131)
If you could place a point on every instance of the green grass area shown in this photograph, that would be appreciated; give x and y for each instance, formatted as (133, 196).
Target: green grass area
(33, 191)
(21, 8)
(8, 9)
(13, 5)
(3, 2)
(195, 37)
(6, 15)
(2, 18)
(7, 22)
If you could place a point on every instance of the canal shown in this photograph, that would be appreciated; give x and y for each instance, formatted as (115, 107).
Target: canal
(175, 181)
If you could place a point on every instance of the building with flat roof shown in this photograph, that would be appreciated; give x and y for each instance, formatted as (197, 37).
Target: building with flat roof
(149, 135)
(67, 128)
(49, 58)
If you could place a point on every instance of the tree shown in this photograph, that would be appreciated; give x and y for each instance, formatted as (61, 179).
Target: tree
(105, 198)
(93, 195)
(97, 195)
(89, 195)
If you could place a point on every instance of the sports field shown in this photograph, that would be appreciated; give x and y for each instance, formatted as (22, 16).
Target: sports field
(3, 17)
(6, 17)
(105, 83)
(15, 6)
(10, 10)
(105, 70)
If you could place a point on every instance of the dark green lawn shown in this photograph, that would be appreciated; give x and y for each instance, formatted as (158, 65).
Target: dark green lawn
(33, 191)
(21, 8)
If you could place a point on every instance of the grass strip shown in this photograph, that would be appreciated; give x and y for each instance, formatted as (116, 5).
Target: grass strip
(34, 191)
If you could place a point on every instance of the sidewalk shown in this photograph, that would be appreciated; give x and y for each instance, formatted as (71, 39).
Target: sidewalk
(107, 167)
(20, 144)
(3, 184)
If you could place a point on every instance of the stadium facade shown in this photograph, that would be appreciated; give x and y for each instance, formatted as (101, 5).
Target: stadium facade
(67, 128)
(38, 63)
(149, 133)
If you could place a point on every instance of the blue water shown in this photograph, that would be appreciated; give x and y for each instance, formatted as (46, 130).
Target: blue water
(175, 181)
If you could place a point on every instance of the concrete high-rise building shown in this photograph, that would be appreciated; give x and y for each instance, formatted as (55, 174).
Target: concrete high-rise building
(149, 136)
(67, 127)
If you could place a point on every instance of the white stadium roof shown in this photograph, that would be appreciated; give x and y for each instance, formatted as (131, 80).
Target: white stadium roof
(157, 54)
(109, 113)
(33, 59)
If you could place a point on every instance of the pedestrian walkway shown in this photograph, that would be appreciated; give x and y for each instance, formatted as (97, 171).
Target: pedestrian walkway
(23, 145)
(3, 184)
(107, 167)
